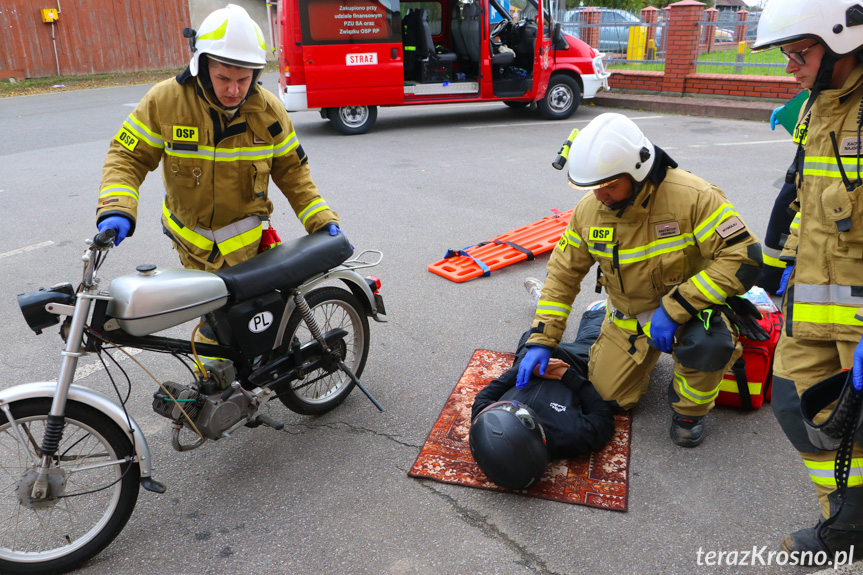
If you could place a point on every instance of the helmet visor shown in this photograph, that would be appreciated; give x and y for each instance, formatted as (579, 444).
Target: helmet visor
(594, 186)
(236, 63)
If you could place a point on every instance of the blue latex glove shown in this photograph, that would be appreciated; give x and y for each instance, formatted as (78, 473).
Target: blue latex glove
(857, 372)
(119, 224)
(535, 356)
(786, 275)
(662, 330)
(773, 119)
(335, 230)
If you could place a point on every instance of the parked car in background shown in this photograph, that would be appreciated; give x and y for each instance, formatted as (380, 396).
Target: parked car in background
(614, 28)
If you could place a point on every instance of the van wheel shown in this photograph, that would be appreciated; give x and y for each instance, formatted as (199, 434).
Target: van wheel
(352, 120)
(561, 99)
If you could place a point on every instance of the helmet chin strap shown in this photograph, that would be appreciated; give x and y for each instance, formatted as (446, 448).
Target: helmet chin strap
(623, 204)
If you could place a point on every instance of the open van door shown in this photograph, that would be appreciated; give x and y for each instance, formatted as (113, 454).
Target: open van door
(352, 53)
(542, 56)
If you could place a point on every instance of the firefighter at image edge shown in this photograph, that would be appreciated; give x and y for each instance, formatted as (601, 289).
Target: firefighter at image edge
(220, 138)
(822, 40)
(669, 246)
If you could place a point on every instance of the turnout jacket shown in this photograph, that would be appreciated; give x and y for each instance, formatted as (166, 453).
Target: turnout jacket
(825, 296)
(680, 245)
(215, 169)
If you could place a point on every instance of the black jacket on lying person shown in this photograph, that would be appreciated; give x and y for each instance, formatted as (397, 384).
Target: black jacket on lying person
(575, 418)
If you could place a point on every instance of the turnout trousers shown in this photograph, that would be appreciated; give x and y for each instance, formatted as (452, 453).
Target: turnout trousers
(621, 361)
(798, 364)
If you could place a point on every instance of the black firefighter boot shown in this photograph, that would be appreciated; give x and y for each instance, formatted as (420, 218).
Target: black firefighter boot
(844, 534)
(687, 430)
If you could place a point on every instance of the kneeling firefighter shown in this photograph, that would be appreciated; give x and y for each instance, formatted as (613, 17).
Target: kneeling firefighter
(670, 247)
(824, 250)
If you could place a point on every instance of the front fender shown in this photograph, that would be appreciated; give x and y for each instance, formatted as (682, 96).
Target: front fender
(95, 400)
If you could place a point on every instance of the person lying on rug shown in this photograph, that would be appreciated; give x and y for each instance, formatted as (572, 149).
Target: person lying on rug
(671, 249)
(516, 432)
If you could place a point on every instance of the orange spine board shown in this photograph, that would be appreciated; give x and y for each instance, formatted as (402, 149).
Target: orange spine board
(538, 237)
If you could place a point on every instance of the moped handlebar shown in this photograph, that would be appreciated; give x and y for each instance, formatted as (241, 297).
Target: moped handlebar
(104, 239)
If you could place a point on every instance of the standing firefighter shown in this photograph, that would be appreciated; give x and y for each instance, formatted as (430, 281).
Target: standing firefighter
(822, 40)
(220, 138)
(669, 246)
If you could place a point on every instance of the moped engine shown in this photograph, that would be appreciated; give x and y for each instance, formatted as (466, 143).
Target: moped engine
(211, 404)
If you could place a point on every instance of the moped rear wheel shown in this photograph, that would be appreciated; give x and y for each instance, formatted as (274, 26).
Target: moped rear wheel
(89, 501)
(323, 389)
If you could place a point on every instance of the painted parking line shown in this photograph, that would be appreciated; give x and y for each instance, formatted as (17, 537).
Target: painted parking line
(545, 122)
(90, 369)
(26, 249)
(782, 141)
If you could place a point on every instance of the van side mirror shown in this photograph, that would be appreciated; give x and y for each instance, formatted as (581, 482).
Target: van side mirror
(557, 41)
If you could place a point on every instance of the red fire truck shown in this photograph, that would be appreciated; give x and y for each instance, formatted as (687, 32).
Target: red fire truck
(347, 57)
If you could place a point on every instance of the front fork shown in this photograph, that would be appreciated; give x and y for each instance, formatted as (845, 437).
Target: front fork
(315, 330)
(56, 417)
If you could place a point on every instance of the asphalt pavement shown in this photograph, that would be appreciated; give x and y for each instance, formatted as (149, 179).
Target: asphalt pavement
(330, 494)
(693, 105)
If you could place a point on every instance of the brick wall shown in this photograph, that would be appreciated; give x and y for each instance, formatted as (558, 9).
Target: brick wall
(681, 50)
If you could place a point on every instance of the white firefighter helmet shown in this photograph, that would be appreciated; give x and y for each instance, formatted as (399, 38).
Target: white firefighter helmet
(610, 146)
(229, 35)
(837, 24)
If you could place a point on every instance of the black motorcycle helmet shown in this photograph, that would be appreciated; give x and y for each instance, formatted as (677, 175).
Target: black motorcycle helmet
(508, 443)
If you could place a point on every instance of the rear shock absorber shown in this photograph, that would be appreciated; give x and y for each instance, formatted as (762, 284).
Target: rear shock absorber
(309, 318)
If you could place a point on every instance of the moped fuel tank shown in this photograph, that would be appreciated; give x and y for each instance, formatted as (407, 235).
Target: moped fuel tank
(153, 300)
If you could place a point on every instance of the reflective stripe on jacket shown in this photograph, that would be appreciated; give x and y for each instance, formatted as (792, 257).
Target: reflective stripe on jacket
(680, 245)
(826, 236)
(216, 170)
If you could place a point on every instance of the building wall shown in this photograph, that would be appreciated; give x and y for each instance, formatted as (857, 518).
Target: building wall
(91, 37)
(105, 36)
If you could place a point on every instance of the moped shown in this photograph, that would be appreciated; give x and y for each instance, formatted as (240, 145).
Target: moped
(72, 459)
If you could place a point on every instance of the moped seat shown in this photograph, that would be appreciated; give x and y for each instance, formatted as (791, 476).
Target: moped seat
(287, 265)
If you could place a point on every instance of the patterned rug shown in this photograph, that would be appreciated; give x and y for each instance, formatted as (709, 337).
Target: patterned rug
(600, 479)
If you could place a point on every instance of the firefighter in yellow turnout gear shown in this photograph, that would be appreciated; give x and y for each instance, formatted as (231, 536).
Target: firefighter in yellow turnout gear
(220, 137)
(824, 298)
(669, 245)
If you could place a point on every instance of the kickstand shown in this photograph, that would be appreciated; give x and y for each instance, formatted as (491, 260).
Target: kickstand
(356, 380)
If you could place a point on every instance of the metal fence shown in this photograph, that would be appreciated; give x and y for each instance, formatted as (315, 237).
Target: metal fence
(725, 47)
(621, 35)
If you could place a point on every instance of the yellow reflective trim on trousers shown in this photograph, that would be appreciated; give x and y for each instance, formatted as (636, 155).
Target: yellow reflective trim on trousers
(709, 225)
(773, 262)
(825, 314)
(313, 208)
(707, 287)
(553, 308)
(627, 324)
(795, 223)
(694, 395)
(823, 472)
(118, 191)
(730, 386)
(190, 236)
(241, 241)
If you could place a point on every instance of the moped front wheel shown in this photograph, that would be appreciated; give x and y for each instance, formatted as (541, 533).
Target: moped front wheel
(92, 488)
(324, 388)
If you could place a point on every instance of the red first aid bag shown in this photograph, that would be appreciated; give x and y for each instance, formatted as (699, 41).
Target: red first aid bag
(747, 384)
